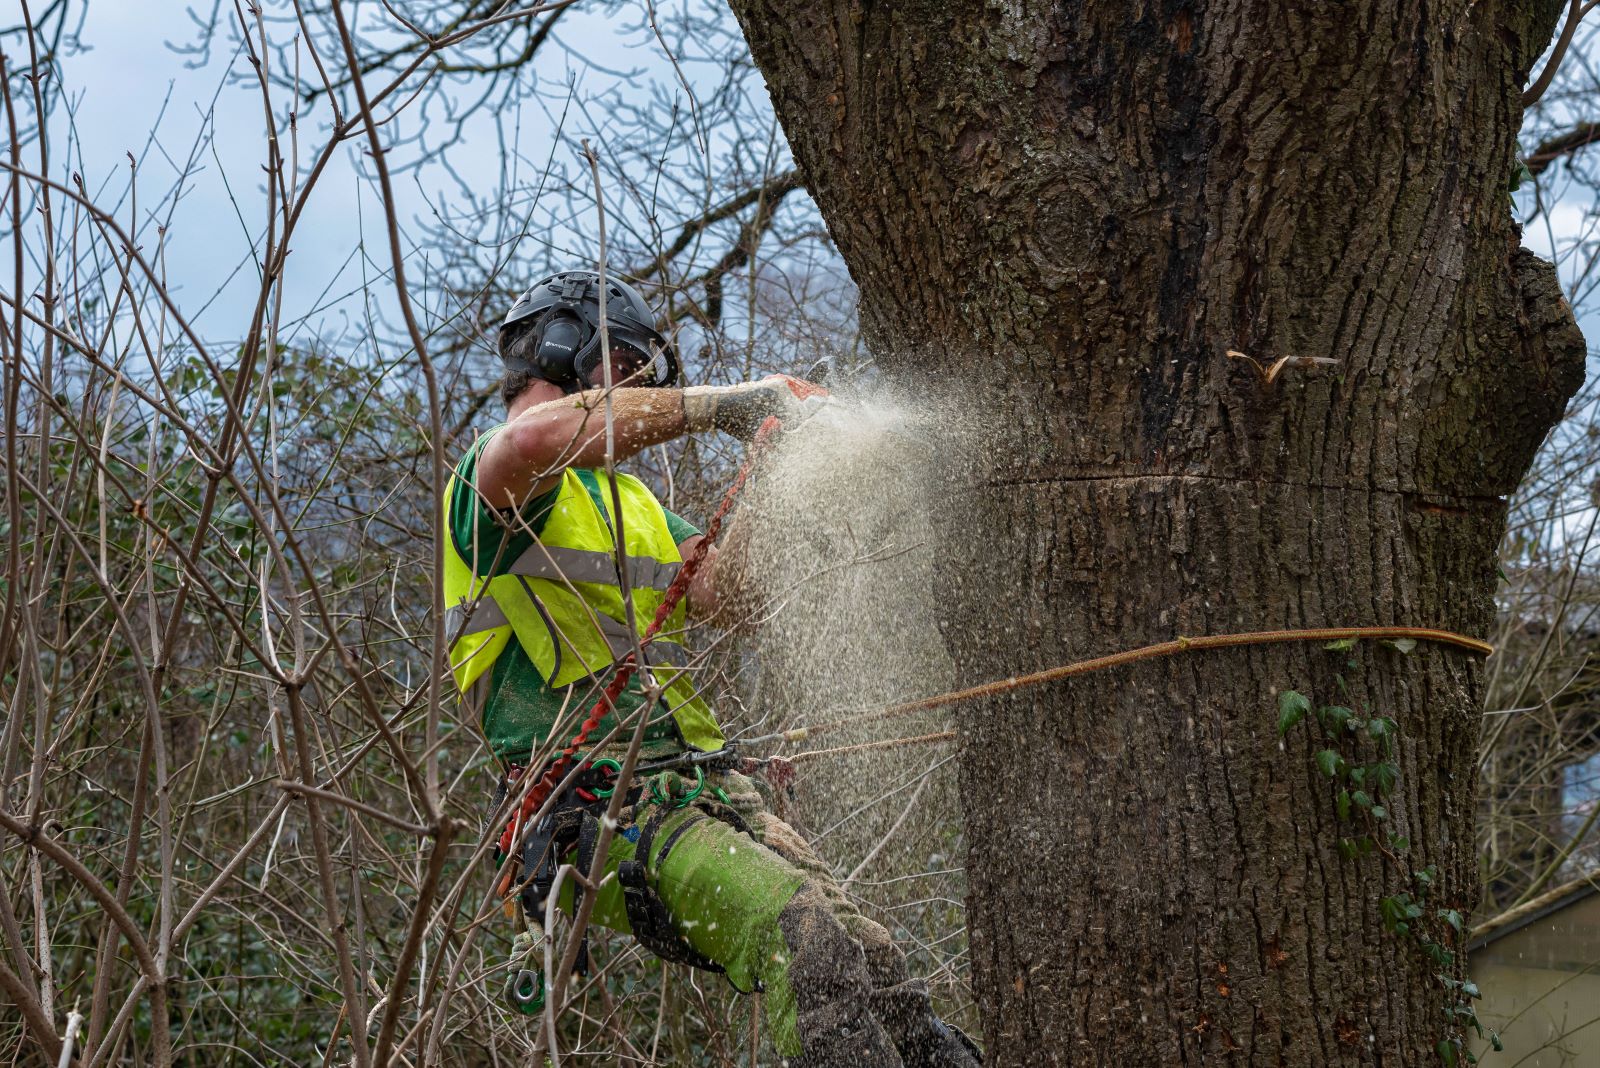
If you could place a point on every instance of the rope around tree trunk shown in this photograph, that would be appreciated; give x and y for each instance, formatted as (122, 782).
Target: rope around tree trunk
(1102, 663)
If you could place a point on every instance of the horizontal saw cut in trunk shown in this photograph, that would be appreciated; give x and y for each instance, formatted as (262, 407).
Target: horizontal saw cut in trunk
(1097, 226)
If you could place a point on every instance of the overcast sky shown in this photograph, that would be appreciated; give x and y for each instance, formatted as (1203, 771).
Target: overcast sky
(133, 79)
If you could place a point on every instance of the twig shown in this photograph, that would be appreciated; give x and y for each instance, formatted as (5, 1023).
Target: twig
(32, 1014)
(1530, 96)
(305, 790)
(884, 839)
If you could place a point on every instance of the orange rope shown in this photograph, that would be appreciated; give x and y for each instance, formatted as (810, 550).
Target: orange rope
(1101, 663)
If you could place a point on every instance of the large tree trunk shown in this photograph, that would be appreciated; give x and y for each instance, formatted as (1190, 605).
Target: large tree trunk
(1069, 213)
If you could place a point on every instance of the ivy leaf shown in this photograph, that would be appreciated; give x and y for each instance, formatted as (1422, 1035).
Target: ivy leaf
(1399, 843)
(1494, 1040)
(1403, 646)
(1334, 717)
(1361, 799)
(1520, 174)
(1292, 708)
(1329, 762)
(1453, 918)
(1342, 804)
(1379, 812)
(1342, 645)
(1358, 776)
(1446, 1049)
(1382, 777)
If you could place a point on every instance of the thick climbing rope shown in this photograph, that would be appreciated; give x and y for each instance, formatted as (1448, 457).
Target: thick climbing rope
(1102, 663)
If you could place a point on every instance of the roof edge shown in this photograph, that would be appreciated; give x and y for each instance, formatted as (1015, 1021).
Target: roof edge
(1516, 918)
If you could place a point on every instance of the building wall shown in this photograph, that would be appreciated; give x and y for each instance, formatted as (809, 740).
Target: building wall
(1541, 990)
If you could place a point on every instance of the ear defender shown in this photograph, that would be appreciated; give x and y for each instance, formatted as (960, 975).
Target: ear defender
(560, 340)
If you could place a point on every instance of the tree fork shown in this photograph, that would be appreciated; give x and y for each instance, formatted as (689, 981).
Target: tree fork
(1070, 213)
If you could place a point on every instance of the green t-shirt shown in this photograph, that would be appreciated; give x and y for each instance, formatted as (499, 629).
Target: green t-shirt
(521, 708)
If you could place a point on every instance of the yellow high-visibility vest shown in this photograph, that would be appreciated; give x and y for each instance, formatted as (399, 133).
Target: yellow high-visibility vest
(562, 598)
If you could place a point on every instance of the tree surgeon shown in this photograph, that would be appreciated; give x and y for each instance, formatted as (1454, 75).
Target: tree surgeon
(704, 873)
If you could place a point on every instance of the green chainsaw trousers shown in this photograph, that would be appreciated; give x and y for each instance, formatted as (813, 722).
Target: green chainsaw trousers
(767, 909)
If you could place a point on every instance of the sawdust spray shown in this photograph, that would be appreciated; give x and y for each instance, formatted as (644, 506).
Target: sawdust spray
(845, 562)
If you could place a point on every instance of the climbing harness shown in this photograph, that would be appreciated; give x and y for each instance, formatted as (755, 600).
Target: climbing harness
(572, 825)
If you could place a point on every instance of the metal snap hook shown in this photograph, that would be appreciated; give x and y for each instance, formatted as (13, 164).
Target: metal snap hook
(524, 991)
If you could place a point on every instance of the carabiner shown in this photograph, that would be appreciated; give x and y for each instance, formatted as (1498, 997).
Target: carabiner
(658, 795)
(524, 991)
(616, 773)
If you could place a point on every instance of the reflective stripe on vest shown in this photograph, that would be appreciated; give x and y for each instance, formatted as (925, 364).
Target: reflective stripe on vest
(557, 563)
(562, 602)
(487, 615)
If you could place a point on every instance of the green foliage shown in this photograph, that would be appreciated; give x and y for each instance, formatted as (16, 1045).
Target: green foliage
(1335, 719)
(1520, 174)
(1399, 911)
(1292, 708)
(1357, 755)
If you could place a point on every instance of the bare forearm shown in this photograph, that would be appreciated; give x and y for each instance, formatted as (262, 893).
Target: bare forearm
(528, 456)
(640, 418)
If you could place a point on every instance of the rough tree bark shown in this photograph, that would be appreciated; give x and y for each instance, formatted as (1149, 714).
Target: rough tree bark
(1069, 213)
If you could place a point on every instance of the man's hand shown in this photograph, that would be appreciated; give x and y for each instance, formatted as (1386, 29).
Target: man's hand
(740, 410)
(724, 586)
(702, 594)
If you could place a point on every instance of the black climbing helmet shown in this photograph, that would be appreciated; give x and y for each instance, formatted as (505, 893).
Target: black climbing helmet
(563, 311)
